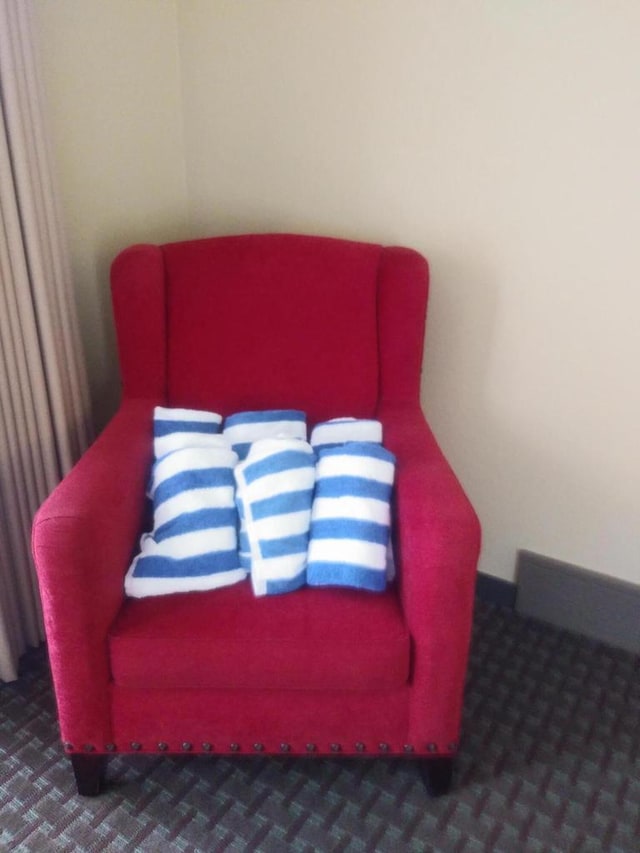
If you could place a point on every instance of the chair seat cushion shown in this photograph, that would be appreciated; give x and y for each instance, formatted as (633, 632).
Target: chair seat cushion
(311, 639)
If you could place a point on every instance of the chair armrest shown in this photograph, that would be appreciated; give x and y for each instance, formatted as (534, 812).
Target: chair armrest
(83, 539)
(437, 536)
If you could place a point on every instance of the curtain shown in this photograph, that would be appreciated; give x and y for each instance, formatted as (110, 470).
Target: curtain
(44, 407)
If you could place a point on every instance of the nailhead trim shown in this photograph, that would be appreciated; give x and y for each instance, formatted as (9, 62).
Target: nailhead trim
(259, 747)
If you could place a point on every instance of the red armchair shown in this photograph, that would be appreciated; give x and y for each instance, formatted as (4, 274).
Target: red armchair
(333, 328)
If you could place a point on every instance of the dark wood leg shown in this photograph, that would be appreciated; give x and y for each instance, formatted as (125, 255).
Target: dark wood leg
(88, 770)
(437, 774)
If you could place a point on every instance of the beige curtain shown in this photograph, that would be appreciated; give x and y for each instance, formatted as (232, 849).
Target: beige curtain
(43, 395)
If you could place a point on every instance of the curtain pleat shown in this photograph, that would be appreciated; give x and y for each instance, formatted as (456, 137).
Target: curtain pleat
(44, 406)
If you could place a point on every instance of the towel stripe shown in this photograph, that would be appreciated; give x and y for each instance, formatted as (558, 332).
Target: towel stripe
(244, 428)
(284, 546)
(359, 487)
(341, 430)
(350, 507)
(351, 528)
(283, 585)
(285, 460)
(162, 428)
(296, 501)
(190, 522)
(267, 416)
(347, 550)
(170, 413)
(192, 500)
(242, 448)
(175, 429)
(334, 573)
(168, 567)
(283, 524)
(205, 478)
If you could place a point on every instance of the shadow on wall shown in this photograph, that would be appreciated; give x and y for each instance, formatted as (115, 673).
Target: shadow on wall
(98, 328)
(533, 482)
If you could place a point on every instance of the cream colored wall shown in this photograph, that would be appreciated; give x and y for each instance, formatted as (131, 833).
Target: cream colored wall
(497, 137)
(112, 79)
(501, 139)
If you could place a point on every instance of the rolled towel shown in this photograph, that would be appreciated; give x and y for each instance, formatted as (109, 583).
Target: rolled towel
(174, 429)
(243, 428)
(351, 517)
(274, 494)
(193, 544)
(340, 430)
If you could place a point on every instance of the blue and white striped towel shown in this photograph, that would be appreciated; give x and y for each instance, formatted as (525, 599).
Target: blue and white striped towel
(340, 430)
(351, 517)
(174, 429)
(275, 492)
(243, 428)
(193, 545)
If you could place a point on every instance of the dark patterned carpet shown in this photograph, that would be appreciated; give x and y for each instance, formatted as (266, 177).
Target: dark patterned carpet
(550, 761)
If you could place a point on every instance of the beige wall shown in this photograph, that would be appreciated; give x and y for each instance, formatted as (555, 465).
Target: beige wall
(112, 78)
(497, 137)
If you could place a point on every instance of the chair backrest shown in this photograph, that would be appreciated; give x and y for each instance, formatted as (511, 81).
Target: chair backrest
(265, 321)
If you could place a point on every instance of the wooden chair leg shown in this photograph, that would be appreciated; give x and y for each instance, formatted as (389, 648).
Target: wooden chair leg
(89, 771)
(437, 774)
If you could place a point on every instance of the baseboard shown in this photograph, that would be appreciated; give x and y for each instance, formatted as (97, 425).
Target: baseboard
(579, 600)
(495, 590)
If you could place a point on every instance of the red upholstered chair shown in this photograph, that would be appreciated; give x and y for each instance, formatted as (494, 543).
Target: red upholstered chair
(228, 324)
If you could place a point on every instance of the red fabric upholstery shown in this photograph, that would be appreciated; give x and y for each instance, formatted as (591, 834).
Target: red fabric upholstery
(332, 327)
(438, 537)
(298, 718)
(313, 639)
(260, 322)
(139, 305)
(83, 538)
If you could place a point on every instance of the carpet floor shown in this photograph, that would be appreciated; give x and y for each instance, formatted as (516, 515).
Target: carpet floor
(549, 761)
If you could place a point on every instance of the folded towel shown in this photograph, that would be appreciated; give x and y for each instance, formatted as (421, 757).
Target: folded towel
(340, 430)
(193, 545)
(274, 494)
(174, 429)
(243, 428)
(351, 516)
